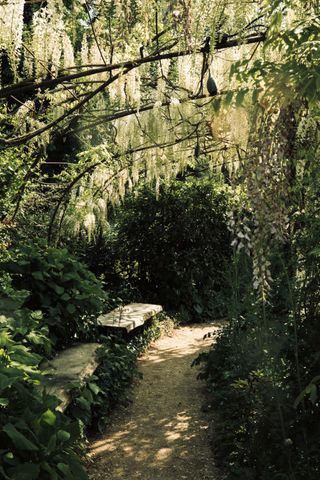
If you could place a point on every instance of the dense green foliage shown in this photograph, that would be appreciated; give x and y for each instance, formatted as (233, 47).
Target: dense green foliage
(173, 248)
(266, 425)
(36, 440)
(67, 293)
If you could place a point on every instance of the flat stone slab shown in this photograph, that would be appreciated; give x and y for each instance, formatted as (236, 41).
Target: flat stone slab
(129, 317)
(72, 365)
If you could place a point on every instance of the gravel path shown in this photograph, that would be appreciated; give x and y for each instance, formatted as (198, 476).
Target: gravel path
(163, 434)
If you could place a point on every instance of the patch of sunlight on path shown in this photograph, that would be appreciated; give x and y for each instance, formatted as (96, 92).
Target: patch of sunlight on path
(163, 434)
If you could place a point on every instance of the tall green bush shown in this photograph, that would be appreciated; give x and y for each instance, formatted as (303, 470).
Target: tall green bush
(174, 247)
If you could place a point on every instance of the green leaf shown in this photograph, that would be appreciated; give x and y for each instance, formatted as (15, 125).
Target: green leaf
(66, 297)
(65, 469)
(59, 290)
(87, 395)
(63, 436)
(240, 97)
(77, 469)
(198, 308)
(19, 440)
(310, 390)
(5, 338)
(49, 417)
(94, 388)
(47, 468)
(52, 443)
(70, 308)
(37, 275)
(83, 403)
(313, 392)
(25, 471)
(228, 99)
(9, 456)
(6, 380)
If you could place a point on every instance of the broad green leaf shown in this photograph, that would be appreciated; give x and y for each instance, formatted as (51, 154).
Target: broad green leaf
(63, 436)
(65, 469)
(18, 439)
(66, 297)
(6, 380)
(59, 290)
(83, 403)
(26, 471)
(94, 388)
(37, 275)
(49, 417)
(52, 444)
(228, 99)
(70, 308)
(240, 97)
(77, 469)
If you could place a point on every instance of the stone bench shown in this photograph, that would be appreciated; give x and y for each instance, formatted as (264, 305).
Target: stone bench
(130, 316)
(75, 364)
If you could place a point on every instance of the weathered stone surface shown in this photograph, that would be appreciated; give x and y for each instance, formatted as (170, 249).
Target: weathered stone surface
(72, 365)
(129, 317)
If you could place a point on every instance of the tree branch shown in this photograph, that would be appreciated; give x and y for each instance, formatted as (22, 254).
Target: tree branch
(30, 85)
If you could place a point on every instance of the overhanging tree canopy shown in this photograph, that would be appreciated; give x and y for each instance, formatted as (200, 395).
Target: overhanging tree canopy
(122, 85)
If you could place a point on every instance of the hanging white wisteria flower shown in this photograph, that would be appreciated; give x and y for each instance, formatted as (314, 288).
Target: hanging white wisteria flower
(11, 29)
(47, 39)
(11, 25)
(68, 53)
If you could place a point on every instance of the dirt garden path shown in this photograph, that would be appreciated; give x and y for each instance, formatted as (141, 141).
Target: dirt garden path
(163, 434)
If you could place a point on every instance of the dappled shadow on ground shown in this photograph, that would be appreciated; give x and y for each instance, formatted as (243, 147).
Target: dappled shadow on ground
(163, 434)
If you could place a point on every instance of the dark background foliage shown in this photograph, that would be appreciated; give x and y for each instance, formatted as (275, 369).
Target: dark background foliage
(172, 248)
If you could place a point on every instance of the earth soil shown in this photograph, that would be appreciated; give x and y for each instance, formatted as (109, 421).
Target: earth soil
(164, 433)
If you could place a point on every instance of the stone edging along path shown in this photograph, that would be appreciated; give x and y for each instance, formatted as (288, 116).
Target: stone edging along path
(163, 434)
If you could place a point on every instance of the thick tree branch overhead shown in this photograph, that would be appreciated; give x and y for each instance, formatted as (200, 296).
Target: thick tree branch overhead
(30, 87)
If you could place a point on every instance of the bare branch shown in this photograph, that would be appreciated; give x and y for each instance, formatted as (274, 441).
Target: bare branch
(30, 85)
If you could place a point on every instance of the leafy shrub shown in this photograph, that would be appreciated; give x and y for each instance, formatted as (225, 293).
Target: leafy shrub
(36, 442)
(173, 248)
(69, 296)
(25, 326)
(265, 426)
